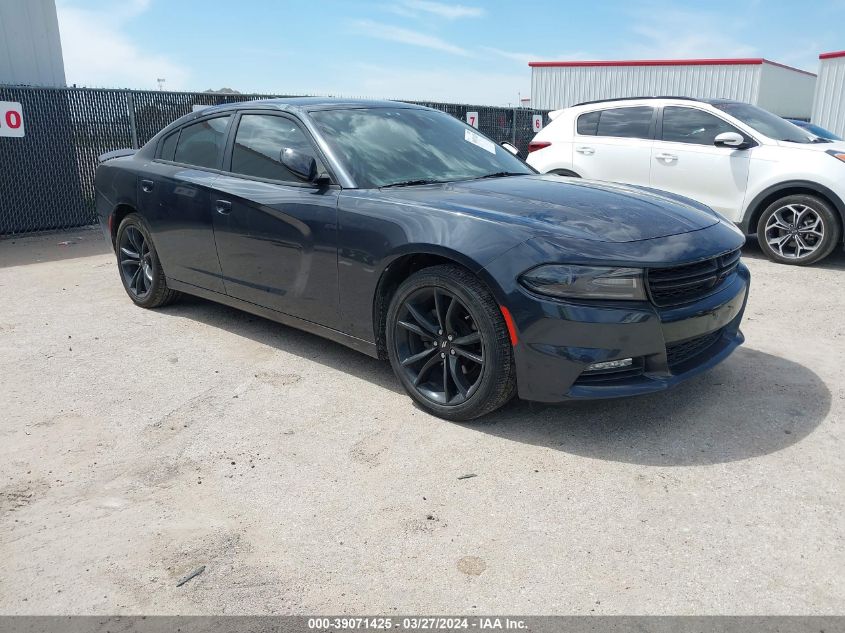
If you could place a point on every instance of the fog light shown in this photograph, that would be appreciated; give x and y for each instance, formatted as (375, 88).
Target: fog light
(611, 364)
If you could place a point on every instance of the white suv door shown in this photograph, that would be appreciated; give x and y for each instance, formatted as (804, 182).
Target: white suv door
(685, 160)
(614, 144)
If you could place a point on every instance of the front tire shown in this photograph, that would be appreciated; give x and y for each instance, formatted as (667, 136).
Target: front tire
(140, 269)
(448, 344)
(798, 230)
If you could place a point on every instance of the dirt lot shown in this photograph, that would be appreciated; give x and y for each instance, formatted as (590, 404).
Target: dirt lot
(136, 446)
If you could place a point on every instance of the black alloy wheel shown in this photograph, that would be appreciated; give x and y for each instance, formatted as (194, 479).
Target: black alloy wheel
(139, 266)
(449, 345)
(439, 346)
(135, 263)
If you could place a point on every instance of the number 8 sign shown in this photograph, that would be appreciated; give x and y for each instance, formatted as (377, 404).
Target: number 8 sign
(11, 119)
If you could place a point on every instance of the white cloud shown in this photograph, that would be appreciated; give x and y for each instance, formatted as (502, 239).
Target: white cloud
(98, 53)
(522, 58)
(680, 34)
(450, 84)
(448, 11)
(390, 33)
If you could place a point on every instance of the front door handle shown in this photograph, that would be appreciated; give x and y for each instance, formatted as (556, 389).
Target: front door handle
(224, 207)
(587, 151)
(147, 186)
(666, 157)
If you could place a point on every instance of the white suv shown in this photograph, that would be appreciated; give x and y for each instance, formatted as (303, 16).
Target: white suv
(755, 168)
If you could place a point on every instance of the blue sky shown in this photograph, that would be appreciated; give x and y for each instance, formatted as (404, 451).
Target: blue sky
(475, 52)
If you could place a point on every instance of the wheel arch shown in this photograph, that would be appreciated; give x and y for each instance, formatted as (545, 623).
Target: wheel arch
(119, 212)
(404, 264)
(789, 188)
(564, 172)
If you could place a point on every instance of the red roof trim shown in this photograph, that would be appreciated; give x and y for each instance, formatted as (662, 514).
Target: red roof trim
(739, 61)
(832, 55)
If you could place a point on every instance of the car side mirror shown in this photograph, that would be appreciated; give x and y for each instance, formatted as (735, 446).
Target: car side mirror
(513, 149)
(302, 165)
(730, 139)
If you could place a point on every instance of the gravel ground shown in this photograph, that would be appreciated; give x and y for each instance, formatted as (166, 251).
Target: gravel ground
(137, 446)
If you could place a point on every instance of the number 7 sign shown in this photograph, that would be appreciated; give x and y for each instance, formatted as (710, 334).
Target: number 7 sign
(472, 119)
(11, 119)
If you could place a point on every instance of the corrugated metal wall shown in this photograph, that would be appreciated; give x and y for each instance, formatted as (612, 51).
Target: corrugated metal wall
(554, 87)
(786, 92)
(829, 108)
(30, 49)
(783, 91)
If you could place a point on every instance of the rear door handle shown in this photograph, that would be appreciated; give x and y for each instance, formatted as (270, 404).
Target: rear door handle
(224, 207)
(147, 186)
(587, 151)
(665, 156)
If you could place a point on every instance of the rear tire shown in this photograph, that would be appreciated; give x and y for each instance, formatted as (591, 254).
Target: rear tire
(448, 344)
(139, 267)
(798, 230)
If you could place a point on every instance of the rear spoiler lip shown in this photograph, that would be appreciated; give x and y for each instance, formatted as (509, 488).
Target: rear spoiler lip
(115, 154)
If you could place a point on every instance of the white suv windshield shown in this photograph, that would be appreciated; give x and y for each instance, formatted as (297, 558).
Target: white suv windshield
(766, 123)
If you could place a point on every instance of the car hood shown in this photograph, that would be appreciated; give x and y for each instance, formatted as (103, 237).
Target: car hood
(553, 205)
(837, 146)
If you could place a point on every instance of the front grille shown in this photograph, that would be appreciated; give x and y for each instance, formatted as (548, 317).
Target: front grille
(682, 284)
(677, 353)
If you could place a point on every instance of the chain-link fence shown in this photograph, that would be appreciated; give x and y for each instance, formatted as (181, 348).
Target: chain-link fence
(47, 176)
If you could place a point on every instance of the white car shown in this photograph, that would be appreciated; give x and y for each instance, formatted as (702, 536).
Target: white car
(767, 175)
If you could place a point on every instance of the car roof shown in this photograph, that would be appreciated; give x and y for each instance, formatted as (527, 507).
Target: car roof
(310, 104)
(649, 100)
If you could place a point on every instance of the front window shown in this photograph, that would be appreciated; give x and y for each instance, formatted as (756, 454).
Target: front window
(766, 123)
(389, 146)
(259, 143)
(688, 125)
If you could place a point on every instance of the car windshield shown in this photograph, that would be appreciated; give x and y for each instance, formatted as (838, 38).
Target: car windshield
(766, 123)
(402, 146)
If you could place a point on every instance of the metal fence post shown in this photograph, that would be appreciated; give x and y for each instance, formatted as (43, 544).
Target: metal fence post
(130, 103)
(513, 129)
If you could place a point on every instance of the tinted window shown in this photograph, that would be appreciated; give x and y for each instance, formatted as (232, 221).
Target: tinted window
(168, 146)
(200, 143)
(588, 124)
(626, 122)
(687, 125)
(765, 122)
(259, 142)
(384, 146)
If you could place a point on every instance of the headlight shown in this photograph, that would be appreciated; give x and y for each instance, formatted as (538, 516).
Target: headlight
(585, 282)
(837, 154)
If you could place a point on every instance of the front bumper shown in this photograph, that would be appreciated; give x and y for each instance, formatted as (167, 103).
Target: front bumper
(558, 340)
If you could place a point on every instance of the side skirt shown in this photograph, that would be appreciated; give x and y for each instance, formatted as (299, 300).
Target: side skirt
(357, 344)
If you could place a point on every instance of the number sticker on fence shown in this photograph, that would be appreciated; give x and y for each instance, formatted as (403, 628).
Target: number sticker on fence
(537, 122)
(11, 119)
(472, 119)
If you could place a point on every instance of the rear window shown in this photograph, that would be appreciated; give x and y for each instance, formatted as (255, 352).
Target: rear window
(632, 122)
(168, 146)
(200, 143)
(588, 124)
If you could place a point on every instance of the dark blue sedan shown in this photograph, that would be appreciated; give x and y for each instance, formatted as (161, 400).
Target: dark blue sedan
(816, 129)
(404, 233)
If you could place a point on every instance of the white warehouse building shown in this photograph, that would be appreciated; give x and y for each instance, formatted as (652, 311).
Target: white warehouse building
(829, 107)
(784, 90)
